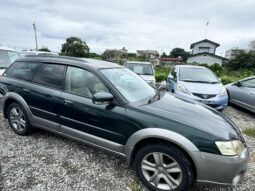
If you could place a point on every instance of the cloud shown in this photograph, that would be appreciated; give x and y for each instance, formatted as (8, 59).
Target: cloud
(143, 24)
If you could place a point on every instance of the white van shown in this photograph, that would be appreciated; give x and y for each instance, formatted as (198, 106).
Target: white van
(143, 69)
(7, 57)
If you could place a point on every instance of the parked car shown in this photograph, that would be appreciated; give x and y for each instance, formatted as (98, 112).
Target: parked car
(171, 141)
(242, 93)
(143, 69)
(198, 83)
(7, 56)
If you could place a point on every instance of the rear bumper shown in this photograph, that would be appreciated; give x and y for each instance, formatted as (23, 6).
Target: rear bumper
(220, 170)
(217, 102)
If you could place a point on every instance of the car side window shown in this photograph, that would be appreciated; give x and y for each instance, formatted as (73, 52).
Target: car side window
(249, 83)
(51, 75)
(22, 70)
(83, 83)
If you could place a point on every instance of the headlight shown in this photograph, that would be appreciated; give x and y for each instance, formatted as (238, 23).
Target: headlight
(230, 148)
(223, 91)
(182, 88)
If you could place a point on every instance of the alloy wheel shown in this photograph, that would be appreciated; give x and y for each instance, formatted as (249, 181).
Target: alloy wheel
(161, 171)
(17, 119)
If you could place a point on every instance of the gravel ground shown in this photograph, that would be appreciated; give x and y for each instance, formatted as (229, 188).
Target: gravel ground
(44, 161)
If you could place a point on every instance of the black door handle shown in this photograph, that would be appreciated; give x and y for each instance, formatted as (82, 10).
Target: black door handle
(68, 102)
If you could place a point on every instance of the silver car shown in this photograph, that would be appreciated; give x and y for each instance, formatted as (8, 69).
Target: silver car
(242, 93)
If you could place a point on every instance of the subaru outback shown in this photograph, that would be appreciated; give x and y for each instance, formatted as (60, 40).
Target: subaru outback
(171, 142)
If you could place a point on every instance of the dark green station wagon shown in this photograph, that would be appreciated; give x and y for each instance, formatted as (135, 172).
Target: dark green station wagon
(172, 142)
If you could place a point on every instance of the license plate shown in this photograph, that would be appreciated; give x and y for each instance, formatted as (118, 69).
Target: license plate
(206, 102)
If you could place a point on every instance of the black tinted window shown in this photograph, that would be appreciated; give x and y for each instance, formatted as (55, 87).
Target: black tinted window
(51, 75)
(22, 70)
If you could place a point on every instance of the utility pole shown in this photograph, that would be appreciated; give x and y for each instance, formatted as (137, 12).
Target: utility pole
(206, 25)
(36, 45)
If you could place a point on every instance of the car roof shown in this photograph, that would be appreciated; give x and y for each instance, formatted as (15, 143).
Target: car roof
(137, 62)
(189, 66)
(248, 78)
(73, 61)
(6, 48)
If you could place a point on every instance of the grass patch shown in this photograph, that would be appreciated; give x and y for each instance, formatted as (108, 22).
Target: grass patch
(135, 186)
(250, 132)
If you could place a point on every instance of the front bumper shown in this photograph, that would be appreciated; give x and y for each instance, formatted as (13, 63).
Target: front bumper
(217, 102)
(220, 170)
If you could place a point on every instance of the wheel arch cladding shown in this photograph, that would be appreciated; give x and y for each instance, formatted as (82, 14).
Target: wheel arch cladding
(157, 135)
(13, 97)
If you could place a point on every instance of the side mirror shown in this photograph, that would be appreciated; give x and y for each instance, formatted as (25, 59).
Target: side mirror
(102, 98)
(170, 76)
(220, 79)
(238, 84)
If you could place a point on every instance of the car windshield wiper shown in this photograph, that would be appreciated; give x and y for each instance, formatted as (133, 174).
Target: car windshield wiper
(199, 81)
(2, 67)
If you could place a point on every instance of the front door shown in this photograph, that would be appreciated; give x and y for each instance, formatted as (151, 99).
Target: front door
(80, 116)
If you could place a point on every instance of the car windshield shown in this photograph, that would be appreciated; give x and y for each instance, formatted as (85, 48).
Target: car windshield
(7, 58)
(141, 69)
(130, 85)
(202, 75)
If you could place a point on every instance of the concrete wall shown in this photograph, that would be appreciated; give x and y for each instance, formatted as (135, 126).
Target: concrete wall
(205, 59)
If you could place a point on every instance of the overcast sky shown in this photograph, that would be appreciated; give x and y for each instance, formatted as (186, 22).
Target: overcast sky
(134, 24)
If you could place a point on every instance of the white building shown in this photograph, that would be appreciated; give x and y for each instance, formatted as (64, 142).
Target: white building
(203, 52)
(149, 54)
(252, 45)
(233, 53)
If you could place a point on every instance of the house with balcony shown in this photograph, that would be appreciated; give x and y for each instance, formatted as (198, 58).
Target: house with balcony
(203, 52)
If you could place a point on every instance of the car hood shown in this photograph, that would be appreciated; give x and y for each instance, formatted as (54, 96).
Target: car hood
(148, 77)
(194, 114)
(203, 88)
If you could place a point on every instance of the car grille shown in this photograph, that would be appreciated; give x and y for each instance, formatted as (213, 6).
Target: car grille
(204, 96)
(213, 105)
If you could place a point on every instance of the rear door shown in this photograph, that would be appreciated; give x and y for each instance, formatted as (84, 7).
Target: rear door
(43, 95)
(79, 115)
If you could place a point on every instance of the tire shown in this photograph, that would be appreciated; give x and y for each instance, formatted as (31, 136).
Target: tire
(149, 169)
(18, 120)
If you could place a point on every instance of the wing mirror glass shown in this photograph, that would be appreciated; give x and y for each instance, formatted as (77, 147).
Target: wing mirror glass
(102, 98)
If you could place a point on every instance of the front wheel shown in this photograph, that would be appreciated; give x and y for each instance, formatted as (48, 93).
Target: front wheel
(163, 168)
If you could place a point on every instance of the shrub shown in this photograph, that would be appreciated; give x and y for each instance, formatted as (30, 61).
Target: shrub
(249, 131)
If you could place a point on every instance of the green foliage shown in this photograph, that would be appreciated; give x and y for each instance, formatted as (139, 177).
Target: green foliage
(44, 50)
(93, 55)
(161, 73)
(74, 46)
(242, 61)
(179, 52)
(250, 132)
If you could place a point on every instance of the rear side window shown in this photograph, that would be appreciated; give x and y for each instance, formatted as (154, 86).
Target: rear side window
(51, 75)
(22, 70)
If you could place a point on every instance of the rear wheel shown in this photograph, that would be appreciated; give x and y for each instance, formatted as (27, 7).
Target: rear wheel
(163, 167)
(18, 119)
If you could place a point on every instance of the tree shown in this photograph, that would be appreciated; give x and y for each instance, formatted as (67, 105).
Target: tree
(242, 61)
(179, 52)
(163, 55)
(44, 49)
(74, 46)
